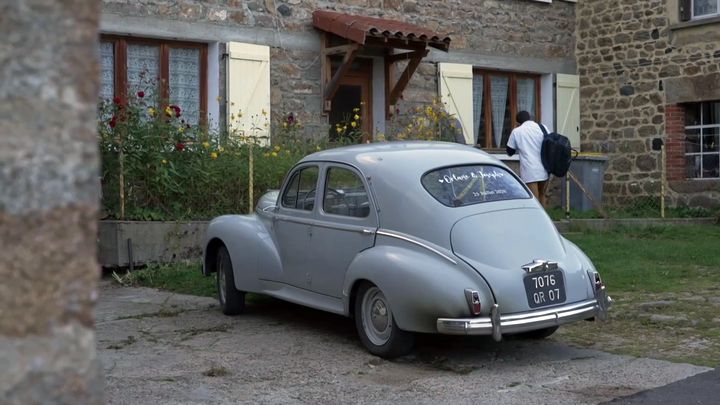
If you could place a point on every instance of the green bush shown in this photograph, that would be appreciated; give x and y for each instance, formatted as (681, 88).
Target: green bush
(155, 166)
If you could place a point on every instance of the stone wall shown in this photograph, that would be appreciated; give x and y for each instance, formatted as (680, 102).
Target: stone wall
(48, 202)
(482, 32)
(634, 58)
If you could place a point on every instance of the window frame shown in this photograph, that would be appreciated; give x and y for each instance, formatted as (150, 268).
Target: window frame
(487, 101)
(120, 44)
(286, 188)
(701, 154)
(326, 181)
(693, 17)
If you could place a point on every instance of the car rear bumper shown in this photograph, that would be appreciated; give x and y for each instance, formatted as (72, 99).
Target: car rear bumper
(498, 324)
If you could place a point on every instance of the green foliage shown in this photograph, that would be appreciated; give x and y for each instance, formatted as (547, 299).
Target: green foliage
(171, 170)
(429, 122)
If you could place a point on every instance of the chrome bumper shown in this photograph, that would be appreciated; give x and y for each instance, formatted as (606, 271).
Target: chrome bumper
(498, 324)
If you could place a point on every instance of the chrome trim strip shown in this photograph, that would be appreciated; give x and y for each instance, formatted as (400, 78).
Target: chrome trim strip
(415, 242)
(346, 227)
(497, 324)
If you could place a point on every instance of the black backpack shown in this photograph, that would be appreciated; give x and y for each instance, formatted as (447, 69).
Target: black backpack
(556, 153)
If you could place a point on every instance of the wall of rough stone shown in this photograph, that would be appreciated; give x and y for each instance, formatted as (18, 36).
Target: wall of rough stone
(48, 202)
(633, 57)
(494, 28)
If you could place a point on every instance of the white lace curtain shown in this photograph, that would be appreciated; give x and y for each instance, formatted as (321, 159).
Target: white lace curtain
(143, 69)
(478, 108)
(107, 71)
(526, 95)
(185, 82)
(499, 95)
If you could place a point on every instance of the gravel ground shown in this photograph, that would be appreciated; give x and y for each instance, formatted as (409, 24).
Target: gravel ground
(163, 348)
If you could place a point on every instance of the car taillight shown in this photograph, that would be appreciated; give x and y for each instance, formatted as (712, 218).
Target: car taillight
(473, 299)
(598, 281)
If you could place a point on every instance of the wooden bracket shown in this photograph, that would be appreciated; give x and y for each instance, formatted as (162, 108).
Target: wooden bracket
(331, 83)
(392, 93)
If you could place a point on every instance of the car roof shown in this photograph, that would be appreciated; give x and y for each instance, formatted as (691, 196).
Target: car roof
(412, 156)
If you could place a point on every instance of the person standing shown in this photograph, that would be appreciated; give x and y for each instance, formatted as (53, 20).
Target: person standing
(526, 139)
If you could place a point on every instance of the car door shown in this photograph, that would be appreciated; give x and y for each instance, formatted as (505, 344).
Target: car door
(345, 225)
(293, 223)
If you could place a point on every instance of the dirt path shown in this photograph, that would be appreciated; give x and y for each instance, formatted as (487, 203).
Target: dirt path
(159, 348)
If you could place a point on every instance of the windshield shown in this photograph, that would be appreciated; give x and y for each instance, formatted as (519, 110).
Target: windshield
(465, 185)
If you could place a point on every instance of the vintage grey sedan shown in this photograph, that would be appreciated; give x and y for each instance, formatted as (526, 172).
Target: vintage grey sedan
(407, 237)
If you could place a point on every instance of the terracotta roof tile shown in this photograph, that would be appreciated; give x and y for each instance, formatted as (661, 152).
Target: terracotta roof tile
(358, 28)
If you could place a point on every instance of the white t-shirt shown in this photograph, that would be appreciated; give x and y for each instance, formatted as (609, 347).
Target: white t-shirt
(527, 140)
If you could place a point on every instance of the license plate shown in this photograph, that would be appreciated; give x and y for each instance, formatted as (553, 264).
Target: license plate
(545, 288)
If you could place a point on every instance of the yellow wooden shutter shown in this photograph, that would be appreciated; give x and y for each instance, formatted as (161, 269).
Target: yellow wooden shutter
(248, 90)
(455, 87)
(567, 113)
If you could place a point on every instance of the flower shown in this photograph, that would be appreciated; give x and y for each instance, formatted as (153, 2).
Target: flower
(356, 109)
(356, 117)
(221, 149)
(206, 144)
(338, 129)
(151, 111)
(317, 147)
(168, 111)
(112, 122)
(276, 148)
(176, 109)
(180, 146)
(273, 154)
(285, 124)
(213, 155)
(116, 100)
(164, 161)
(353, 124)
(141, 94)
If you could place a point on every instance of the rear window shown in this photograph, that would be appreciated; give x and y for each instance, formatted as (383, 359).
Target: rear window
(465, 185)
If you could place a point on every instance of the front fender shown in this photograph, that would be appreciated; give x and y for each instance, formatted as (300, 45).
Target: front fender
(250, 246)
(419, 285)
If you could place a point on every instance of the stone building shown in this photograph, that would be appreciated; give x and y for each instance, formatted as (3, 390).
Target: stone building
(228, 62)
(651, 69)
(48, 202)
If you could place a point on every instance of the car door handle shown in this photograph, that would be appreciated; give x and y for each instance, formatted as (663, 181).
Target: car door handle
(368, 231)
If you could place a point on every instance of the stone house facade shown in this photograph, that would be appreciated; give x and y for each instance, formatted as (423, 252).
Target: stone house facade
(224, 58)
(651, 69)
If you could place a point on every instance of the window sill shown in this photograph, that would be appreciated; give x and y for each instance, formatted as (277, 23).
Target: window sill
(694, 23)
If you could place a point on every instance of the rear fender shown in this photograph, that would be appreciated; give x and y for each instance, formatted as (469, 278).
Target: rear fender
(420, 286)
(250, 246)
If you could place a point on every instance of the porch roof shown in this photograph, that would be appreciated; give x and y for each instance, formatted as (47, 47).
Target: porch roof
(379, 31)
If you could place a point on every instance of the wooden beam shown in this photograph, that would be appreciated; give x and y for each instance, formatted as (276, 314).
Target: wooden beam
(334, 83)
(405, 76)
(392, 58)
(340, 49)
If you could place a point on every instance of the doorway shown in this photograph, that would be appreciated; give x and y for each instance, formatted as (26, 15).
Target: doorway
(353, 98)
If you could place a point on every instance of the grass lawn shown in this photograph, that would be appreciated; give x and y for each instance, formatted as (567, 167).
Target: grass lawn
(665, 282)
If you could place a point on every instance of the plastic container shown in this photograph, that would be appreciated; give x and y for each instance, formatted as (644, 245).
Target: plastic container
(589, 169)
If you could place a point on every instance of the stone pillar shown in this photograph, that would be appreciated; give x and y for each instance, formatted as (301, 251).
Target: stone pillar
(49, 190)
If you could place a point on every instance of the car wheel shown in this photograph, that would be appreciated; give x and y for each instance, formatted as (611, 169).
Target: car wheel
(376, 326)
(231, 300)
(538, 333)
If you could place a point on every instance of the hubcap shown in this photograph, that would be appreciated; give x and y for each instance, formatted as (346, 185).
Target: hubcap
(376, 316)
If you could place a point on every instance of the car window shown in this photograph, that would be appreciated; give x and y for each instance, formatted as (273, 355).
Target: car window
(465, 185)
(300, 191)
(345, 194)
